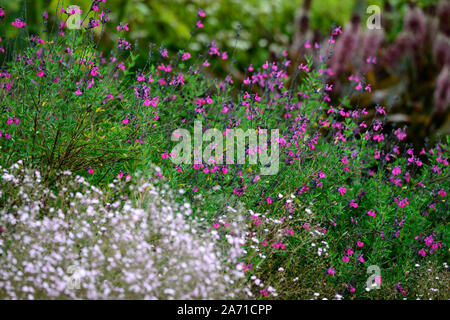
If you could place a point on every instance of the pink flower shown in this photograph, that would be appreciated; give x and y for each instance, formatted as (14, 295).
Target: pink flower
(199, 24)
(396, 171)
(264, 292)
(78, 92)
(400, 134)
(186, 56)
(345, 259)
(401, 202)
(90, 171)
(124, 27)
(380, 110)
(120, 175)
(371, 213)
(378, 137)
(269, 201)
(429, 240)
(342, 190)
(121, 66)
(331, 271)
(128, 177)
(361, 258)
(422, 252)
(359, 243)
(201, 13)
(125, 121)
(399, 287)
(349, 252)
(18, 23)
(353, 204)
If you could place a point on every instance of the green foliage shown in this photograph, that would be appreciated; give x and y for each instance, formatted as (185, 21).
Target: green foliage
(57, 128)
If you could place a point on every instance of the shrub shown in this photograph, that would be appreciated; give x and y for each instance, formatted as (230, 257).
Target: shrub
(350, 193)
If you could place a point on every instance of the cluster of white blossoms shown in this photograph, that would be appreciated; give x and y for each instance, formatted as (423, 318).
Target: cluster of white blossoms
(133, 242)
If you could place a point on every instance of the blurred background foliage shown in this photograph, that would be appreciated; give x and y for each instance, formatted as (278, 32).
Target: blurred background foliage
(268, 25)
(411, 76)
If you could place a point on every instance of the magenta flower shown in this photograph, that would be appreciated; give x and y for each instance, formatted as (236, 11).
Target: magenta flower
(199, 24)
(186, 56)
(399, 287)
(353, 204)
(345, 259)
(401, 202)
(342, 190)
(125, 121)
(422, 252)
(429, 240)
(331, 271)
(201, 13)
(380, 110)
(371, 213)
(396, 171)
(400, 134)
(18, 23)
(90, 171)
(359, 243)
